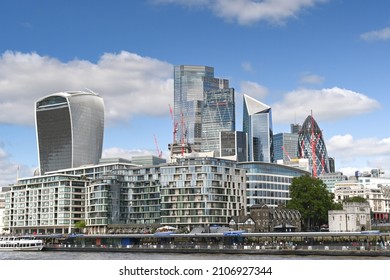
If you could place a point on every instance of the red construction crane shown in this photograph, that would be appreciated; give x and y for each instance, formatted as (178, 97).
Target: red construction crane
(174, 125)
(159, 152)
(286, 153)
(313, 141)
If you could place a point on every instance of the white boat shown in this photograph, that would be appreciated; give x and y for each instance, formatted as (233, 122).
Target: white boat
(20, 243)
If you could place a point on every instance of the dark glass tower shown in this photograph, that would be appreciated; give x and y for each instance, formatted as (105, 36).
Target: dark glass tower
(190, 84)
(218, 115)
(311, 145)
(69, 127)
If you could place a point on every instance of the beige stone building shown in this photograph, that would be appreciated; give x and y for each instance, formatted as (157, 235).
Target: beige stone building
(355, 216)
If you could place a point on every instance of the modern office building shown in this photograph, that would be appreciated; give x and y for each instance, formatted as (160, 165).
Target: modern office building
(218, 115)
(311, 145)
(332, 165)
(234, 145)
(269, 183)
(330, 179)
(147, 160)
(285, 146)
(69, 128)
(295, 128)
(190, 84)
(257, 123)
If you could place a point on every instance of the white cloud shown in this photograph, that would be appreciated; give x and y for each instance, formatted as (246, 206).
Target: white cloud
(247, 66)
(359, 154)
(9, 169)
(348, 147)
(253, 89)
(377, 35)
(129, 84)
(340, 102)
(251, 11)
(309, 78)
(115, 152)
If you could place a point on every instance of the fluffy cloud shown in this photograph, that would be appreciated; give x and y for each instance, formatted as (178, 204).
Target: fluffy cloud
(309, 78)
(9, 170)
(359, 154)
(377, 35)
(129, 84)
(253, 89)
(115, 152)
(251, 11)
(341, 102)
(247, 66)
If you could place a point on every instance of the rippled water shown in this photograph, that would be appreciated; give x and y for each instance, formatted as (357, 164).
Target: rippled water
(48, 255)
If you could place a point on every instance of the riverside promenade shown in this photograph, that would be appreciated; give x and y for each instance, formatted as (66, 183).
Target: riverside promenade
(304, 244)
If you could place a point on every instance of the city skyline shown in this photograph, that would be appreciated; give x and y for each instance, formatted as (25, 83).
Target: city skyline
(328, 57)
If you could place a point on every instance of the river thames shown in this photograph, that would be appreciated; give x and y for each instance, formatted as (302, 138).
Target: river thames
(49, 255)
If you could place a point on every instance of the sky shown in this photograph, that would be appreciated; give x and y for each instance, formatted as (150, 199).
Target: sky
(329, 58)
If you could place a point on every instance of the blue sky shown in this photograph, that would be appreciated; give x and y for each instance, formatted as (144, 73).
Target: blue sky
(330, 57)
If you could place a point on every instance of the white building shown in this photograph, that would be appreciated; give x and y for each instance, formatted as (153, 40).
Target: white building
(374, 189)
(355, 216)
(2, 209)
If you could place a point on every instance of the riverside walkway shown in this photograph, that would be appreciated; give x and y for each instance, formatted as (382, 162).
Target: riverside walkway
(368, 244)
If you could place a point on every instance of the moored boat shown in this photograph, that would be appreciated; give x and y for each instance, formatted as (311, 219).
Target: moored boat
(20, 243)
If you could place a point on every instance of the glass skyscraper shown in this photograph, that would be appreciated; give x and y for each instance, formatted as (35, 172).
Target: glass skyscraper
(218, 115)
(311, 145)
(257, 123)
(234, 145)
(285, 146)
(190, 84)
(69, 128)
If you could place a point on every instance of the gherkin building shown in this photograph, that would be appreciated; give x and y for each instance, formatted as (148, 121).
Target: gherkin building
(311, 145)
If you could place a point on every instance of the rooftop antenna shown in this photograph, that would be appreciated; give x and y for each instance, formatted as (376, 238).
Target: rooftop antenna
(91, 91)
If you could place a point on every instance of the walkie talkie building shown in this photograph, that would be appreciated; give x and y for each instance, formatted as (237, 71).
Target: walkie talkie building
(69, 129)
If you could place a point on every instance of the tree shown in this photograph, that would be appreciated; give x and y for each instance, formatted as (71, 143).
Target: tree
(355, 199)
(80, 225)
(311, 198)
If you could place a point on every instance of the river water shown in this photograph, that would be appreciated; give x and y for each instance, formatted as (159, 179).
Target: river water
(50, 255)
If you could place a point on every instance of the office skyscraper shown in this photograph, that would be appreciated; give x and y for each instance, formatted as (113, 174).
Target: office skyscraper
(218, 115)
(69, 128)
(257, 123)
(311, 145)
(190, 84)
(234, 145)
(285, 146)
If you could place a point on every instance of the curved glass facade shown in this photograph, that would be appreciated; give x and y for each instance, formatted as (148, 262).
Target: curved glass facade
(268, 183)
(311, 145)
(69, 127)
